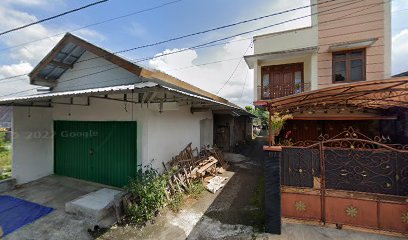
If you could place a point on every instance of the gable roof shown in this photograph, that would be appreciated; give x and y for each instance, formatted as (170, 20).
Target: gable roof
(70, 48)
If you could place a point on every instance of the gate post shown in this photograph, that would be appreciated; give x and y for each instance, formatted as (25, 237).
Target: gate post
(273, 218)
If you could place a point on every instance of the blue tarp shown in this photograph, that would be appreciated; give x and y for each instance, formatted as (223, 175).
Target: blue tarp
(15, 213)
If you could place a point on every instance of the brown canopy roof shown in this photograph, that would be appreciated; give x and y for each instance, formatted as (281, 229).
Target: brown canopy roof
(377, 94)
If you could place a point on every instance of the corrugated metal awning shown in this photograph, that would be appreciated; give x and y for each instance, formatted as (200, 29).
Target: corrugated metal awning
(18, 101)
(77, 93)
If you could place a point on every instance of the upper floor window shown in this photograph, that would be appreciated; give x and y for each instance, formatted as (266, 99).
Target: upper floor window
(349, 66)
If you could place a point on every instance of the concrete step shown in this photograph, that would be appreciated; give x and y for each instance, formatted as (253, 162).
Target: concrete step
(96, 206)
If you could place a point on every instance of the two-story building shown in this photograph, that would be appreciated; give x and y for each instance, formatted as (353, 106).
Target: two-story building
(325, 75)
(343, 162)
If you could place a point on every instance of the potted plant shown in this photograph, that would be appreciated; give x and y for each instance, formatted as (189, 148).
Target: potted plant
(277, 121)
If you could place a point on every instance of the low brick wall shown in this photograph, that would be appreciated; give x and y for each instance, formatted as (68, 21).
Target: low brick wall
(7, 184)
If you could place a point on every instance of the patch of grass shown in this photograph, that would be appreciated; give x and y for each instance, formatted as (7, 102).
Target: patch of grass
(176, 202)
(197, 187)
(258, 200)
(5, 157)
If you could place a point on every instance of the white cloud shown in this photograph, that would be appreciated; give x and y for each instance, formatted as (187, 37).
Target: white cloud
(18, 84)
(89, 34)
(15, 69)
(136, 29)
(25, 2)
(32, 53)
(21, 59)
(399, 5)
(400, 52)
(33, 3)
(213, 76)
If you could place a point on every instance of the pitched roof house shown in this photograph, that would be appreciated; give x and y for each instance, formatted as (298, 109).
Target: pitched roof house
(103, 116)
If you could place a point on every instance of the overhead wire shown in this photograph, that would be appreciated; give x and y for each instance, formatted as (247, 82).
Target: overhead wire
(245, 80)
(197, 46)
(53, 17)
(218, 28)
(235, 69)
(92, 24)
(194, 47)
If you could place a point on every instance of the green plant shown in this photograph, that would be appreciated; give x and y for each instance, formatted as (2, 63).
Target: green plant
(147, 195)
(259, 113)
(5, 157)
(196, 188)
(176, 201)
(278, 121)
(5, 173)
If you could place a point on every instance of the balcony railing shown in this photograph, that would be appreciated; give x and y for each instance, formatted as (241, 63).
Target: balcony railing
(277, 91)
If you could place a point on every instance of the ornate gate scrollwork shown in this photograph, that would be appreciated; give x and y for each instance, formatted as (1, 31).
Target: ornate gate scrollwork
(352, 162)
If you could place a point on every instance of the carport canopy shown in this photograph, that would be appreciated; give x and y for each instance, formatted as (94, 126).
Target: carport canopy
(367, 95)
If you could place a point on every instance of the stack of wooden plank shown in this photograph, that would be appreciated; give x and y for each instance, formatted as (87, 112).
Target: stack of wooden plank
(190, 164)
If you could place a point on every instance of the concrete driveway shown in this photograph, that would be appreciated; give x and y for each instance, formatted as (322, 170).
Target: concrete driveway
(53, 191)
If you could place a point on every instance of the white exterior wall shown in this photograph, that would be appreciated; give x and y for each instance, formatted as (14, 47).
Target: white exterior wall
(288, 40)
(171, 131)
(73, 79)
(206, 132)
(32, 151)
(160, 136)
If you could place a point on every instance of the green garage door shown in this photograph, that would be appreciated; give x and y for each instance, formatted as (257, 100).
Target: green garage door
(103, 152)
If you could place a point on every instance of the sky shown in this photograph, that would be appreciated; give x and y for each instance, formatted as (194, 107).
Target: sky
(177, 18)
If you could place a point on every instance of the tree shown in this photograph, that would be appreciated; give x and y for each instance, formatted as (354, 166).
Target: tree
(259, 113)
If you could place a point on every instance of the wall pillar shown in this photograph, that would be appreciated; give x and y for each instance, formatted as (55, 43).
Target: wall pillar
(273, 215)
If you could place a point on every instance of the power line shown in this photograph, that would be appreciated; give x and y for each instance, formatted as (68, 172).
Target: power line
(53, 17)
(214, 29)
(134, 60)
(93, 24)
(225, 26)
(245, 80)
(202, 64)
(208, 43)
(182, 50)
(235, 69)
(218, 28)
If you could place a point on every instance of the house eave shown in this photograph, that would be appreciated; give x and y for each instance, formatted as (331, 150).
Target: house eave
(252, 60)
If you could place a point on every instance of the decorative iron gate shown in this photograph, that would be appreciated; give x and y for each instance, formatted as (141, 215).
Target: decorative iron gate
(349, 179)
